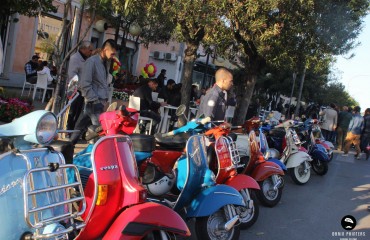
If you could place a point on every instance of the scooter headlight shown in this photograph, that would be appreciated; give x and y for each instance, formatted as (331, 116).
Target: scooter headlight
(46, 128)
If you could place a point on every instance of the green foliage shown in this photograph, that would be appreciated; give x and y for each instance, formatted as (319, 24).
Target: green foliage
(26, 7)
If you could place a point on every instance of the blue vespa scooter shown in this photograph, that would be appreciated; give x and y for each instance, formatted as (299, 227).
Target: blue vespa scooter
(36, 200)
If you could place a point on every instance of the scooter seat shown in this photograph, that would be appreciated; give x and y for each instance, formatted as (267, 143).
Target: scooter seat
(176, 142)
(143, 143)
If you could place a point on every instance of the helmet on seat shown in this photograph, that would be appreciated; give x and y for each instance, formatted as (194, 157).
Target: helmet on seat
(156, 182)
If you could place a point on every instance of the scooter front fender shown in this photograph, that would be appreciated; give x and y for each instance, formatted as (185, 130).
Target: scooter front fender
(212, 199)
(139, 220)
(242, 181)
(265, 170)
(319, 152)
(297, 158)
(278, 162)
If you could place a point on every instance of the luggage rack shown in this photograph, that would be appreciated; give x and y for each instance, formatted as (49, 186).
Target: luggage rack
(53, 203)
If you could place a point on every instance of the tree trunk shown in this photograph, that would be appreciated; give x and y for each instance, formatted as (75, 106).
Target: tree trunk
(296, 113)
(244, 91)
(190, 56)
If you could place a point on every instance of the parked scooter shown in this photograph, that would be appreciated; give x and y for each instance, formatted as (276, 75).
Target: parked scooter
(297, 162)
(214, 207)
(117, 206)
(316, 151)
(224, 161)
(36, 200)
(268, 174)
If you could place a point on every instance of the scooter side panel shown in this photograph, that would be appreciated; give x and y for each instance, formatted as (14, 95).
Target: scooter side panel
(265, 170)
(137, 221)
(242, 181)
(278, 162)
(12, 170)
(212, 199)
(297, 158)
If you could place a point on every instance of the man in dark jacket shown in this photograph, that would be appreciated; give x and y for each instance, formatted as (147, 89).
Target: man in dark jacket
(214, 103)
(148, 107)
(344, 117)
(166, 92)
(31, 69)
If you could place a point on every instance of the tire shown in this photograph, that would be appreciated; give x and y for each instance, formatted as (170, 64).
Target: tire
(248, 216)
(267, 195)
(206, 227)
(319, 167)
(331, 155)
(297, 174)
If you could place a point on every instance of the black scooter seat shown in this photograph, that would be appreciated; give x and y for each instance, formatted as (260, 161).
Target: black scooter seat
(177, 142)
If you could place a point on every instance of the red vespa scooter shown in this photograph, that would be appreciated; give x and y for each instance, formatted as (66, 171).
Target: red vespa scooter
(115, 197)
(224, 161)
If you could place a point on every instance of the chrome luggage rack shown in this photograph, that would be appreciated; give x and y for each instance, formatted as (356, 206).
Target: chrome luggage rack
(53, 202)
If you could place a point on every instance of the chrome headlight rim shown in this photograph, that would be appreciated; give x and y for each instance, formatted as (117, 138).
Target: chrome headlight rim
(50, 118)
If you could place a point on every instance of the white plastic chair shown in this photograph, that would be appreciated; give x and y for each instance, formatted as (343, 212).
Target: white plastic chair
(27, 84)
(42, 83)
(134, 102)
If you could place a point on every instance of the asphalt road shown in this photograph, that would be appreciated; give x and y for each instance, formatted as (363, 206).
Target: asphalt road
(315, 210)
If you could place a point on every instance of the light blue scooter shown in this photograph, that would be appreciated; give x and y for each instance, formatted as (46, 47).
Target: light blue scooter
(36, 200)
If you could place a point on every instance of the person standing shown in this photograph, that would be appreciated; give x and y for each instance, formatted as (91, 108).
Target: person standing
(75, 66)
(94, 87)
(214, 103)
(148, 107)
(31, 69)
(330, 117)
(365, 136)
(161, 77)
(355, 128)
(344, 117)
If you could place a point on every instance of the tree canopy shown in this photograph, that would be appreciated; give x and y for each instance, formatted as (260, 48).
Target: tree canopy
(28, 8)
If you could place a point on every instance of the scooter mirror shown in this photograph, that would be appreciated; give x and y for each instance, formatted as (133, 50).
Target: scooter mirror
(180, 110)
(112, 107)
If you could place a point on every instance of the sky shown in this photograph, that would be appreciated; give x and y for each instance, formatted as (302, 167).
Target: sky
(355, 72)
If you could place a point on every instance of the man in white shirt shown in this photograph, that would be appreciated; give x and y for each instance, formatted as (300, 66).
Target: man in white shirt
(75, 67)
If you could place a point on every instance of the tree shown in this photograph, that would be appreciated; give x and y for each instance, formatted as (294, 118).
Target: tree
(297, 34)
(193, 20)
(26, 7)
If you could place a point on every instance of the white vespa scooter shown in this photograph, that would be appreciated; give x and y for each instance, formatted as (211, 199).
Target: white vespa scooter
(297, 162)
(35, 196)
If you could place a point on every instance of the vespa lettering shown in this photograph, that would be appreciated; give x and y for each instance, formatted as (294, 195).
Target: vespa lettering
(9, 186)
(111, 167)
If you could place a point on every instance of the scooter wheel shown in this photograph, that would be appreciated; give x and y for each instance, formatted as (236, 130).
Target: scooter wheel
(298, 174)
(248, 215)
(319, 167)
(208, 227)
(268, 196)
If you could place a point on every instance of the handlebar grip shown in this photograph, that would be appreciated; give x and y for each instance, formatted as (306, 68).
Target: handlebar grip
(168, 134)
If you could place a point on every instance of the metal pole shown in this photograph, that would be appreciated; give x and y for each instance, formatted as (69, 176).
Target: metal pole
(291, 93)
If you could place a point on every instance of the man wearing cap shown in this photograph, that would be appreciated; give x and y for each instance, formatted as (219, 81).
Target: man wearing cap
(148, 107)
(31, 69)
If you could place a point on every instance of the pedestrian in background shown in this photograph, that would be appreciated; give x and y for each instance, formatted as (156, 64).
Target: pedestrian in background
(31, 69)
(365, 136)
(355, 128)
(344, 117)
(75, 67)
(329, 124)
(94, 87)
